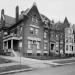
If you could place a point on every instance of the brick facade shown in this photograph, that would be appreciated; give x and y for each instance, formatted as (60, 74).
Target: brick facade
(34, 34)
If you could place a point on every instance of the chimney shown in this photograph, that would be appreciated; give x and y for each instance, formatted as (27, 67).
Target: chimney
(17, 14)
(2, 18)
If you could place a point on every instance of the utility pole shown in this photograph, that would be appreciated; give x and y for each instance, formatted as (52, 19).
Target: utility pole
(49, 36)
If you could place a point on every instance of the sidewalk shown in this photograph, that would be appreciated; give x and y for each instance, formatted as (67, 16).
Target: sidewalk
(33, 63)
(40, 63)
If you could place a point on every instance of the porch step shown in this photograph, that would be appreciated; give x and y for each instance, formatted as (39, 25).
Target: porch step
(16, 53)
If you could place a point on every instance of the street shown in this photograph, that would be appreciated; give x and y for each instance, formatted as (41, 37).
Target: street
(58, 70)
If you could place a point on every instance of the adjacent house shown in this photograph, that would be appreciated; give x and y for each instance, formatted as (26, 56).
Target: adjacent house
(69, 40)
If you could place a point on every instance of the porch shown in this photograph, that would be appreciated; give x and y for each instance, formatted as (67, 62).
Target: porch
(11, 45)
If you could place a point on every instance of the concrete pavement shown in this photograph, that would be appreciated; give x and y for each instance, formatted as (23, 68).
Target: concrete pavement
(33, 63)
(37, 63)
(27, 61)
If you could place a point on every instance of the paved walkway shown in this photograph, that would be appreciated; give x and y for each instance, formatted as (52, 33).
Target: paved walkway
(25, 61)
(32, 62)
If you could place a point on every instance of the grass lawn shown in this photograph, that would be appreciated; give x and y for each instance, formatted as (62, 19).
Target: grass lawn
(2, 60)
(14, 67)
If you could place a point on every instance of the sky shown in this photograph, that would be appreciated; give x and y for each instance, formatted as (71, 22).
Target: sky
(53, 9)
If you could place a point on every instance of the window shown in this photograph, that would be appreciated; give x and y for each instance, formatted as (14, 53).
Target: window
(5, 33)
(34, 19)
(15, 31)
(29, 44)
(61, 36)
(31, 30)
(20, 30)
(5, 45)
(67, 39)
(38, 44)
(45, 34)
(45, 45)
(70, 47)
(71, 40)
(52, 34)
(8, 32)
(38, 54)
(56, 36)
(67, 47)
(36, 31)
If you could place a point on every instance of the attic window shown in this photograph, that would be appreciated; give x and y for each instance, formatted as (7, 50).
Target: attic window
(34, 19)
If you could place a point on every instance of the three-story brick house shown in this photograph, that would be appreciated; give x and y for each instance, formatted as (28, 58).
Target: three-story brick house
(32, 34)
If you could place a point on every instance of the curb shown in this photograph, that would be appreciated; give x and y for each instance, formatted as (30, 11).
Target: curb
(15, 71)
(57, 64)
(63, 64)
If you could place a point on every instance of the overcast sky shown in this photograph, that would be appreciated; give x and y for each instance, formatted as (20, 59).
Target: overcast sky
(53, 9)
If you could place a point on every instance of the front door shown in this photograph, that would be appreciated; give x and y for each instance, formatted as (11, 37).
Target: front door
(52, 47)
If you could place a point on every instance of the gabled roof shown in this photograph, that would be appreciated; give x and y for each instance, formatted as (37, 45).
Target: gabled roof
(66, 20)
(9, 21)
(43, 17)
(59, 25)
(28, 10)
(66, 23)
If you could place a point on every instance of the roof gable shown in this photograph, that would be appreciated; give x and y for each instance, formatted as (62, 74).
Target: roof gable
(66, 23)
(28, 11)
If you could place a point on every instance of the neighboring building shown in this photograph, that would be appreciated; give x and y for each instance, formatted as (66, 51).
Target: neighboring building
(73, 27)
(69, 41)
(32, 33)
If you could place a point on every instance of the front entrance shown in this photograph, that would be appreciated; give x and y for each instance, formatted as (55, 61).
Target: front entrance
(11, 46)
(52, 47)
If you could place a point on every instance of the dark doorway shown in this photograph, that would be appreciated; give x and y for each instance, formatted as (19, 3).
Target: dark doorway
(16, 45)
(9, 44)
(52, 46)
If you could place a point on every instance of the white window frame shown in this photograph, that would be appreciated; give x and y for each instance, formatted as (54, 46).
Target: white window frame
(31, 30)
(36, 31)
(45, 34)
(45, 46)
(38, 44)
(29, 44)
(67, 48)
